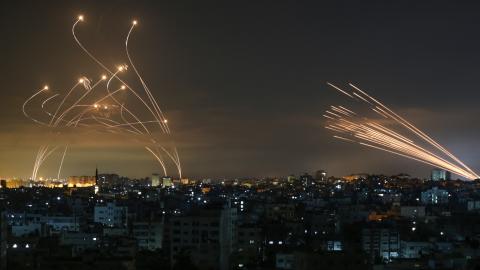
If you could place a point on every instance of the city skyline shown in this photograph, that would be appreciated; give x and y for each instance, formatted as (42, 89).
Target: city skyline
(239, 135)
(245, 97)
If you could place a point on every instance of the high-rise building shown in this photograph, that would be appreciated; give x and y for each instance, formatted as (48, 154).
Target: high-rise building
(167, 182)
(207, 234)
(250, 240)
(97, 187)
(440, 175)
(155, 180)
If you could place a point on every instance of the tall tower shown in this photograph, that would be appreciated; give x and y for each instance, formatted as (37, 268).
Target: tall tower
(96, 176)
(96, 180)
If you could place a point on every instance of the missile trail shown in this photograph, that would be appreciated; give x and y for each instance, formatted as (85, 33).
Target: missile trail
(100, 108)
(360, 129)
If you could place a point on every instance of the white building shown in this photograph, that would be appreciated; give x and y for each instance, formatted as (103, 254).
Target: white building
(435, 196)
(111, 215)
(440, 175)
(334, 245)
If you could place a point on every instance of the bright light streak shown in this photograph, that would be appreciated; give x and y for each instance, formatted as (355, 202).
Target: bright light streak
(360, 129)
(119, 116)
(340, 90)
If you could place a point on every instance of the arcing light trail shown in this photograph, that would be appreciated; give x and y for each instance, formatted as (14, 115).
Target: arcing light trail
(356, 128)
(98, 106)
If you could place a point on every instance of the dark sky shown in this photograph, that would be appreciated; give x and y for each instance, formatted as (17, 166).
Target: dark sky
(243, 82)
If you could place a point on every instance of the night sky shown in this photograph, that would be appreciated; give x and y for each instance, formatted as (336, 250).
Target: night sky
(243, 83)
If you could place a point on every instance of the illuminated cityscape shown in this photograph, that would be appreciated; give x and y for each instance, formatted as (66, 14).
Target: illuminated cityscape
(259, 135)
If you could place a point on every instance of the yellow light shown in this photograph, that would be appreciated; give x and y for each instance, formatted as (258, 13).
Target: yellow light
(80, 80)
(95, 105)
(105, 107)
(104, 77)
(45, 87)
(165, 121)
(123, 87)
(80, 18)
(134, 22)
(120, 68)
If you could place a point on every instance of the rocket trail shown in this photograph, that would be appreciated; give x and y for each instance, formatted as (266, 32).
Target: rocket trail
(61, 162)
(417, 131)
(102, 109)
(357, 128)
(340, 90)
